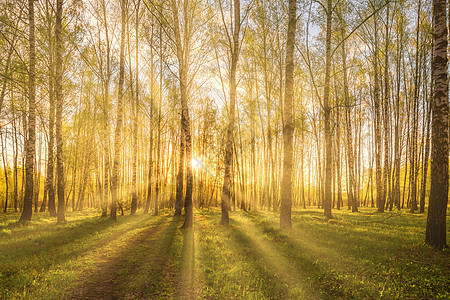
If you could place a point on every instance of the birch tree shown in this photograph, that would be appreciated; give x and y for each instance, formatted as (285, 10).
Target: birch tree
(436, 235)
(288, 126)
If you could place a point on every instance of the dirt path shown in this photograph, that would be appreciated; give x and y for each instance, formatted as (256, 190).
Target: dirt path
(134, 268)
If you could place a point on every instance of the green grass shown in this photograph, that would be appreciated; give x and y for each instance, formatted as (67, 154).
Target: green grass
(361, 255)
(44, 260)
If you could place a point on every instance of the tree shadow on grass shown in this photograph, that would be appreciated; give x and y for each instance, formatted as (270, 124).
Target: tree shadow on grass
(314, 272)
(52, 235)
(350, 263)
(26, 262)
(375, 238)
(280, 280)
(187, 287)
(228, 271)
(308, 212)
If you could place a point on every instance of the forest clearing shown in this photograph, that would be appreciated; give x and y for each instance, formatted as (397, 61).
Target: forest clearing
(224, 149)
(356, 256)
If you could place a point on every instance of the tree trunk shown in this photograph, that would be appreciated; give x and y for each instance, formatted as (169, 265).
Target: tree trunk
(182, 55)
(5, 170)
(397, 134)
(351, 199)
(338, 159)
(49, 191)
(31, 136)
(436, 221)
(302, 159)
(150, 165)
(427, 148)
(135, 118)
(118, 130)
(234, 48)
(158, 151)
(253, 201)
(16, 152)
(288, 126)
(105, 109)
(327, 116)
(180, 179)
(414, 164)
(150, 155)
(386, 115)
(377, 129)
(59, 108)
(38, 176)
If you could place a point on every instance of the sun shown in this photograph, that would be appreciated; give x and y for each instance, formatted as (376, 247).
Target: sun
(196, 163)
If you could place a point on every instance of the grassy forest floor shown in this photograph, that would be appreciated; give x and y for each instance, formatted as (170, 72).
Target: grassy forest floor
(362, 255)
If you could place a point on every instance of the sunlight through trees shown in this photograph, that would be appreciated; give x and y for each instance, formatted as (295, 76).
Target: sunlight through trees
(234, 104)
